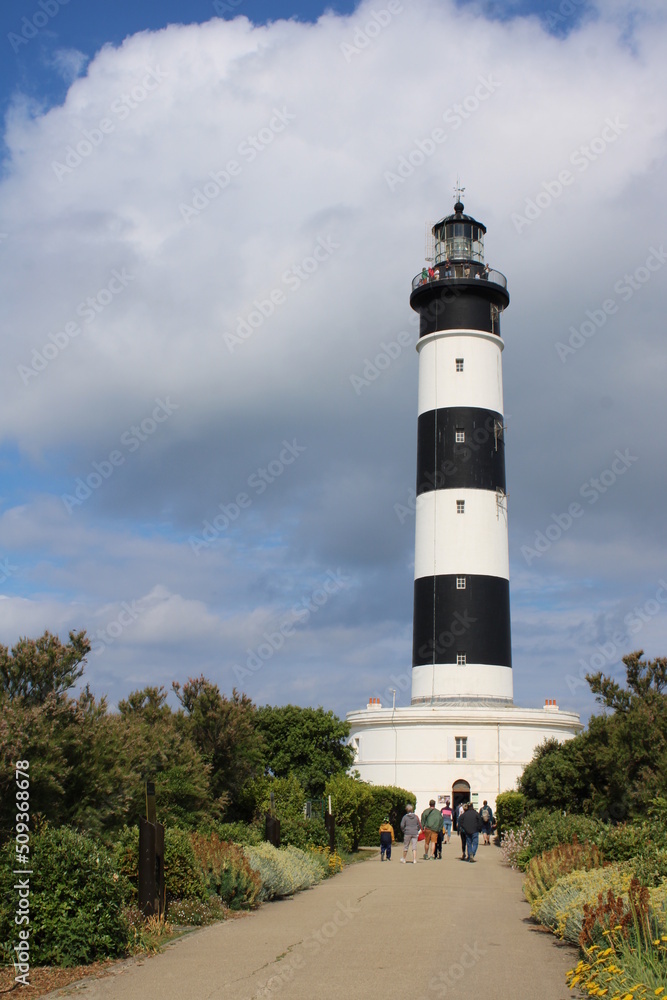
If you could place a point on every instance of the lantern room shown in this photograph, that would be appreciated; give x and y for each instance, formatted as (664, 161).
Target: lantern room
(459, 237)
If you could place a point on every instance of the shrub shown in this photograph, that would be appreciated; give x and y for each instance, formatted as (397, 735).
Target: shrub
(227, 872)
(283, 871)
(331, 861)
(510, 811)
(289, 798)
(513, 843)
(550, 829)
(125, 855)
(76, 901)
(544, 871)
(194, 913)
(183, 875)
(562, 907)
(352, 802)
(624, 951)
(240, 833)
(386, 800)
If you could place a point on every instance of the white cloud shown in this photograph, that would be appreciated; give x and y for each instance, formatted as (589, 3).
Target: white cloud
(92, 203)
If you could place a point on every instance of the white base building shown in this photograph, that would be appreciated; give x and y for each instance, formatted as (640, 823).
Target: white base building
(462, 750)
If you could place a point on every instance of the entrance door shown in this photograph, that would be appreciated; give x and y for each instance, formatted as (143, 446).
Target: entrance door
(460, 793)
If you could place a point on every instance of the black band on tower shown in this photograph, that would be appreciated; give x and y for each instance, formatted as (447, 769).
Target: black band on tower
(476, 463)
(449, 621)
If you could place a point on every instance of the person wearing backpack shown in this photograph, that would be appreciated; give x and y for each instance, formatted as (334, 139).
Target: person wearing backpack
(447, 820)
(431, 825)
(486, 816)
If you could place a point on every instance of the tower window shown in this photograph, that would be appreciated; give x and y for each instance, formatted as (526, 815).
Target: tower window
(461, 747)
(460, 659)
(460, 506)
(459, 364)
(460, 583)
(460, 435)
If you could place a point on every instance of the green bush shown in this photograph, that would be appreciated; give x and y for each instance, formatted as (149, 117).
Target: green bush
(627, 840)
(125, 854)
(387, 800)
(183, 875)
(283, 871)
(76, 901)
(510, 811)
(226, 869)
(240, 833)
(548, 829)
(351, 802)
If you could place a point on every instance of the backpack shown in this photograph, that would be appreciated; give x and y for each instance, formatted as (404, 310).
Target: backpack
(486, 815)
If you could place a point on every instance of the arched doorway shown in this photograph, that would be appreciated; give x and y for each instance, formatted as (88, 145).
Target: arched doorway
(460, 793)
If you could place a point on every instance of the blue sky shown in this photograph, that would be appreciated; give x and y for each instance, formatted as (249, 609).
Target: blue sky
(188, 299)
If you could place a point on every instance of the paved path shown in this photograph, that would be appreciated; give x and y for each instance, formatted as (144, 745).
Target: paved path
(378, 930)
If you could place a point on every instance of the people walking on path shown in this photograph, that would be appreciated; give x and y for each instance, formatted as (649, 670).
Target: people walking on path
(386, 838)
(471, 823)
(431, 824)
(486, 816)
(461, 831)
(410, 827)
(447, 820)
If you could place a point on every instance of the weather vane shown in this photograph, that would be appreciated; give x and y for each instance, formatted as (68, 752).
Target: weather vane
(458, 190)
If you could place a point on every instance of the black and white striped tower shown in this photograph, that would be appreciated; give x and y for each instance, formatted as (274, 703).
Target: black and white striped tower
(461, 632)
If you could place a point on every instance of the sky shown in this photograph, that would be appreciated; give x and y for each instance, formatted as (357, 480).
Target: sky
(210, 216)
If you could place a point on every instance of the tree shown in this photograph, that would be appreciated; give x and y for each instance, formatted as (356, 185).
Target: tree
(618, 766)
(36, 668)
(307, 742)
(223, 730)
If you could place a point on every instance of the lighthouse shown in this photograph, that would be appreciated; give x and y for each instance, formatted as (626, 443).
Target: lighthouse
(461, 625)
(461, 737)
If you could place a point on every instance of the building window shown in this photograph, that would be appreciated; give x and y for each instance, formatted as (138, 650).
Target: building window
(460, 435)
(460, 583)
(460, 506)
(461, 747)
(460, 659)
(459, 364)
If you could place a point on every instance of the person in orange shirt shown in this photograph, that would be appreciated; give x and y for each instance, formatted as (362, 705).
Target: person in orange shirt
(386, 839)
